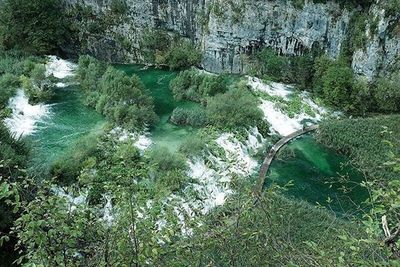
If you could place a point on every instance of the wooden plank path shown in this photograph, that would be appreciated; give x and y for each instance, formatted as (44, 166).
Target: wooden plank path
(272, 153)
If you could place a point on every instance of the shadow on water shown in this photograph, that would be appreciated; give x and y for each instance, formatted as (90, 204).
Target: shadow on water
(320, 176)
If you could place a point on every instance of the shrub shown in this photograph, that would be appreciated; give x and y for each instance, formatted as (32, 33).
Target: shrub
(35, 26)
(269, 65)
(193, 117)
(37, 86)
(67, 168)
(234, 109)
(119, 7)
(387, 92)
(195, 86)
(337, 85)
(8, 83)
(182, 54)
(362, 140)
(165, 49)
(89, 72)
(164, 160)
(194, 146)
(123, 99)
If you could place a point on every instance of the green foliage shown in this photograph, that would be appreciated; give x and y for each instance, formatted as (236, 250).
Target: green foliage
(164, 160)
(361, 139)
(268, 65)
(182, 54)
(387, 92)
(35, 26)
(195, 86)
(37, 86)
(8, 83)
(123, 99)
(195, 145)
(193, 117)
(233, 110)
(337, 85)
(67, 168)
(164, 49)
(119, 7)
(169, 169)
(90, 71)
(275, 232)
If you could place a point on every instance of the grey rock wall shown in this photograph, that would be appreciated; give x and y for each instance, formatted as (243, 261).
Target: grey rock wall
(227, 30)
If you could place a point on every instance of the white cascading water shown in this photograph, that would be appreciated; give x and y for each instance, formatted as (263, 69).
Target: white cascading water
(281, 123)
(25, 116)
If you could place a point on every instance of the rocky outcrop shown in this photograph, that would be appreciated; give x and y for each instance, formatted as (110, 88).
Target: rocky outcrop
(228, 30)
(382, 50)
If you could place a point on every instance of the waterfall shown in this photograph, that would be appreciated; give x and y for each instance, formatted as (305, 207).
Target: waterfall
(24, 115)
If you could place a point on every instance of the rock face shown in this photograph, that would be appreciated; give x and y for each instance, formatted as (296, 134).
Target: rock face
(227, 30)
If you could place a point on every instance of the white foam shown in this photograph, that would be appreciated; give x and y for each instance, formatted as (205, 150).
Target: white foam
(272, 88)
(140, 140)
(237, 153)
(59, 68)
(143, 142)
(280, 122)
(25, 116)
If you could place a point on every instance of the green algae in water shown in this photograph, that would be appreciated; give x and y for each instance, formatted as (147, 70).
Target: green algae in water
(70, 120)
(319, 175)
(157, 81)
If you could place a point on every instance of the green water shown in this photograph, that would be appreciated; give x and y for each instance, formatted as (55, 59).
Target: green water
(70, 119)
(157, 81)
(319, 176)
(316, 171)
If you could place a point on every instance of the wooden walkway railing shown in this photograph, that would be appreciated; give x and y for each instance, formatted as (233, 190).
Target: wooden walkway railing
(272, 153)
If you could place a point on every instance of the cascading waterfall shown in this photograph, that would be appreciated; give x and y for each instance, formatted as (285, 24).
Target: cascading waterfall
(25, 116)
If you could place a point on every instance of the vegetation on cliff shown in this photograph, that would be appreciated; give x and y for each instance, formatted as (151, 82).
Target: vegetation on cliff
(34, 26)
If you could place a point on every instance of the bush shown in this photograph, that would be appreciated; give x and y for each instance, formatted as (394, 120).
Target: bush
(164, 160)
(8, 84)
(234, 109)
(35, 26)
(337, 85)
(362, 140)
(164, 49)
(269, 65)
(37, 86)
(169, 169)
(387, 93)
(182, 54)
(90, 71)
(119, 7)
(123, 99)
(193, 117)
(67, 168)
(195, 86)
(194, 146)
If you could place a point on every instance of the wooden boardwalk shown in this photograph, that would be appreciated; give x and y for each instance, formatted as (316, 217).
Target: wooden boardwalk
(272, 153)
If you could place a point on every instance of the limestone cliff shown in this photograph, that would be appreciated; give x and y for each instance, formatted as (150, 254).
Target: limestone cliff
(227, 30)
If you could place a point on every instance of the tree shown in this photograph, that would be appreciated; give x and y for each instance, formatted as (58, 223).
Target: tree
(387, 92)
(35, 26)
(338, 85)
(234, 109)
(124, 100)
